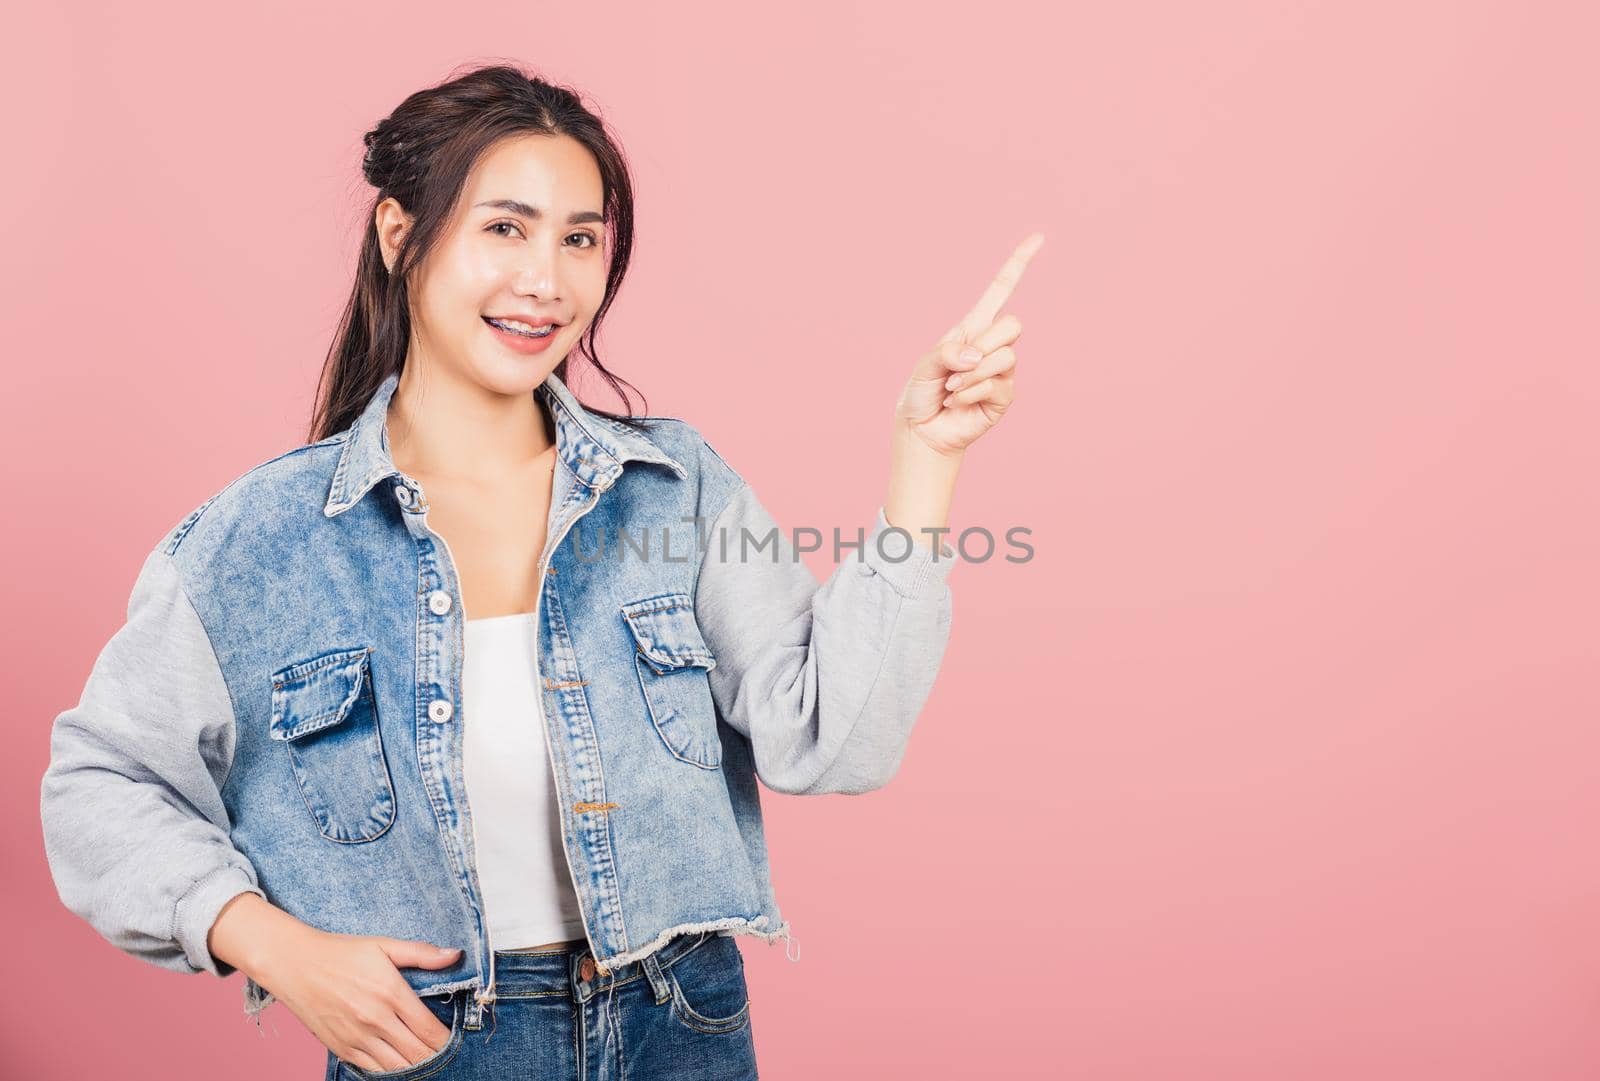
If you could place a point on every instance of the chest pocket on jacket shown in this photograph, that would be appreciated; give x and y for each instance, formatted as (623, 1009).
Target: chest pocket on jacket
(325, 714)
(672, 660)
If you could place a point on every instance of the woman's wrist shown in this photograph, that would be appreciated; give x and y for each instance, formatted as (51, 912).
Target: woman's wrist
(248, 933)
(922, 484)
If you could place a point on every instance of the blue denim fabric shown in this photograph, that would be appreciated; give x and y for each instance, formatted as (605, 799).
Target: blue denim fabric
(282, 712)
(683, 1012)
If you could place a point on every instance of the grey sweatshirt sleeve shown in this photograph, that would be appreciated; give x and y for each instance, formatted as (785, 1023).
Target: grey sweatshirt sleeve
(826, 681)
(135, 830)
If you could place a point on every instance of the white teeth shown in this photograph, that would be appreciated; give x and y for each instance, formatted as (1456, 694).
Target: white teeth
(519, 327)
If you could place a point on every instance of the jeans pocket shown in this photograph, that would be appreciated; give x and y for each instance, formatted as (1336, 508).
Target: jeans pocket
(709, 993)
(447, 1010)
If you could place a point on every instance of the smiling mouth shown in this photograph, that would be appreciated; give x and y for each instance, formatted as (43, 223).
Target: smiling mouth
(542, 332)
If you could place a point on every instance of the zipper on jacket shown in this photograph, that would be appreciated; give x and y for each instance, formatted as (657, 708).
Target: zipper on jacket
(486, 996)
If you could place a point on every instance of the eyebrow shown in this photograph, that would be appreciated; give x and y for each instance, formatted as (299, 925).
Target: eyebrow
(516, 206)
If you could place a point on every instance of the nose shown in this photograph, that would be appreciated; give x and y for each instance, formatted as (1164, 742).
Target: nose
(539, 274)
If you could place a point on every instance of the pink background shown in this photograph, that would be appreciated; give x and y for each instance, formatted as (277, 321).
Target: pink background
(1280, 759)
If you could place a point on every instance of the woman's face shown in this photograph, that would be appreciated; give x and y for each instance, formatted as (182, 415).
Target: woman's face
(527, 243)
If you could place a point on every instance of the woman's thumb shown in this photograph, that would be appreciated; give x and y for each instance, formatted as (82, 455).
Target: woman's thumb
(408, 954)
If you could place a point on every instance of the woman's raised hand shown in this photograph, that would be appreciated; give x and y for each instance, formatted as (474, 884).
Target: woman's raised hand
(951, 399)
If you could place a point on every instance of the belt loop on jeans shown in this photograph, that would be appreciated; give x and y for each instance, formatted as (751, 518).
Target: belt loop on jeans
(658, 981)
(474, 1010)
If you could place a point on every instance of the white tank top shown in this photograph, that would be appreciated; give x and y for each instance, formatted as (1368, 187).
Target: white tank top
(528, 894)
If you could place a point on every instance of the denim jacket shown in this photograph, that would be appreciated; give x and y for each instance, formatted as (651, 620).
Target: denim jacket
(281, 714)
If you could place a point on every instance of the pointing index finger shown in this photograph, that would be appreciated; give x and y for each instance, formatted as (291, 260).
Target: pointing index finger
(983, 313)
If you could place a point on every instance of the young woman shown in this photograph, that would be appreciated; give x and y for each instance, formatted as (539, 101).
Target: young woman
(269, 768)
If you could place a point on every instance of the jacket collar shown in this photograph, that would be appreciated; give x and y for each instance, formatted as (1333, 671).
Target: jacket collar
(592, 446)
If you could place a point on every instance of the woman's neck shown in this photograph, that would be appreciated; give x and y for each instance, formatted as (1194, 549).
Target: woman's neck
(448, 429)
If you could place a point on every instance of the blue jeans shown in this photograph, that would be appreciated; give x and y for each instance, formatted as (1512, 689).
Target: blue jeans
(682, 1012)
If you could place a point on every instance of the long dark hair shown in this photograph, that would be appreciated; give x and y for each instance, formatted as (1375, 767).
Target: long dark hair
(421, 154)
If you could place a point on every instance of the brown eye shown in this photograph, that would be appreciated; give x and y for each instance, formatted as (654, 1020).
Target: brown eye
(589, 236)
(498, 224)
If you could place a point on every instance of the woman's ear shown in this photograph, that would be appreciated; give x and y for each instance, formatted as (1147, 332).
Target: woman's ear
(392, 222)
